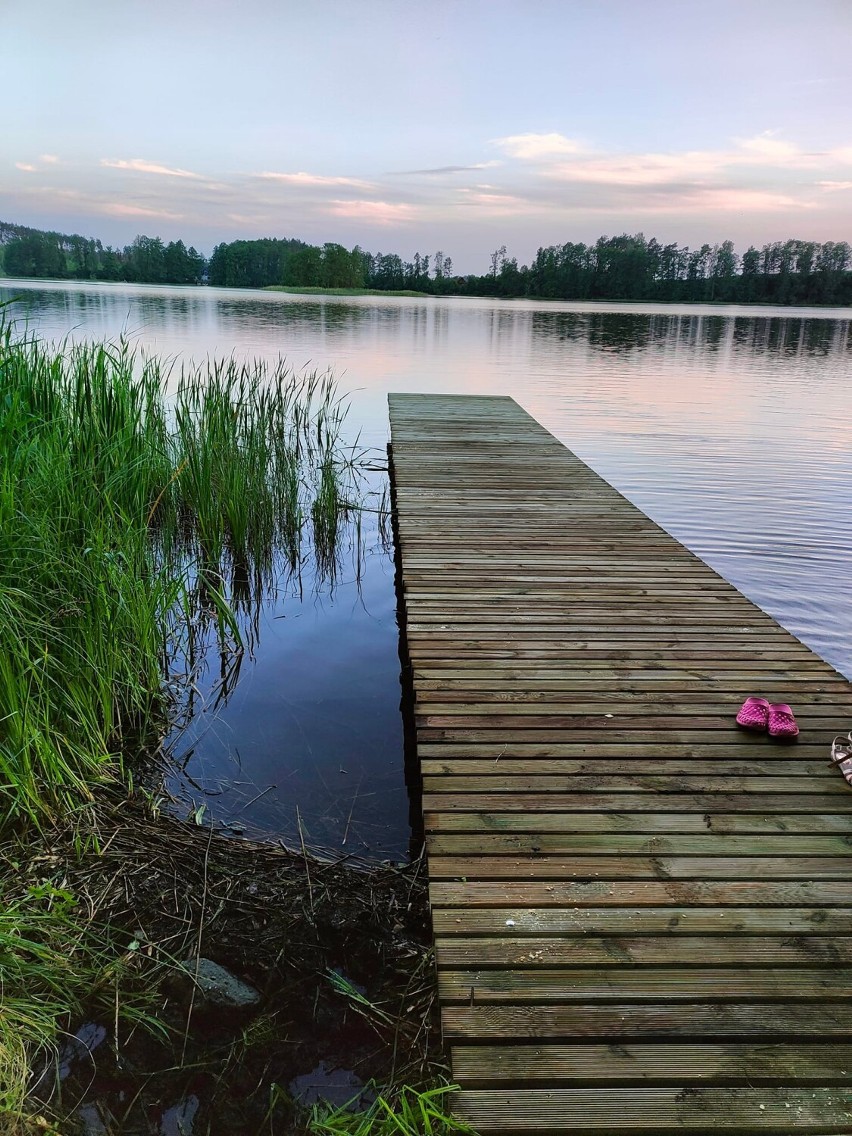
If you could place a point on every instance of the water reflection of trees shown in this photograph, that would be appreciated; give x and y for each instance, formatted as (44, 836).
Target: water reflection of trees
(425, 324)
(791, 337)
(623, 332)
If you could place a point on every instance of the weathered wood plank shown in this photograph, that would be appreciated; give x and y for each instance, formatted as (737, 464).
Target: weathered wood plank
(626, 1021)
(636, 822)
(627, 701)
(609, 771)
(700, 1110)
(457, 951)
(745, 748)
(551, 791)
(536, 865)
(599, 985)
(638, 920)
(640, 893)
(648, 1064)
(633, 844)
(615, 733)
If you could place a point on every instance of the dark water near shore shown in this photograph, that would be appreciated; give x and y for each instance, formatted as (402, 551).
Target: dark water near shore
(731, 427)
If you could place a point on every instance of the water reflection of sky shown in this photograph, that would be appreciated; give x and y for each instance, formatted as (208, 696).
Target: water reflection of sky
(731, 427)
(313, 723)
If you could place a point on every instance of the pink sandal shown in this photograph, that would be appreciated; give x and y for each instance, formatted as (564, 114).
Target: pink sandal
(782, 724)
(841, 755)
(754, 714)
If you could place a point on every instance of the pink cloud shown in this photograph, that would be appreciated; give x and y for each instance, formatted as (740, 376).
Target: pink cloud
(376, 212)
(738, 200)
(26, 167)
(498, 204)
(120, 209)
(763, 153)
(636, 169)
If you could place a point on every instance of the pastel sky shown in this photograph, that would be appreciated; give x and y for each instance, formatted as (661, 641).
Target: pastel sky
(458, 125)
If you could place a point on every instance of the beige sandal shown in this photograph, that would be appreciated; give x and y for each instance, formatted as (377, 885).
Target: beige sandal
(841, 755)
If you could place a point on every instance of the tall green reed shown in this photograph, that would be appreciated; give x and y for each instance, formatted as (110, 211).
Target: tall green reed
(138, 508)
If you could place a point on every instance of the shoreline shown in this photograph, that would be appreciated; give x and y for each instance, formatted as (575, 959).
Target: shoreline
(306, 291)
(637, 307)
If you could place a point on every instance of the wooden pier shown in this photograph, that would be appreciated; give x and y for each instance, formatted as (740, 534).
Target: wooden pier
(642, 914)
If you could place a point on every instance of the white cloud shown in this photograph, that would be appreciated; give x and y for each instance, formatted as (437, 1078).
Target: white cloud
(734, 200)
(314, 180)
(375, 212)
(636, 169)
(488, 204)
(768, 147)
(124, 209)
(437, 171)
(140, 165)
(763, 173)
(534, 147)
(44, 160)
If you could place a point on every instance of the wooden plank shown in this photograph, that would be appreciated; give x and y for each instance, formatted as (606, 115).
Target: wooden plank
(633, 844)
(625, 1020)
(641, 734)
(815, 1110)
(610, 769)
(679, 723)
(458, 951)
(640, 893)
(601, 985)
(516, 684)
(744, 748)
(552, 791)
(627, 701)
(635, 822)
(648, 1064)
(643, 915)
(637, 920)
(536, 865)
(596, 794)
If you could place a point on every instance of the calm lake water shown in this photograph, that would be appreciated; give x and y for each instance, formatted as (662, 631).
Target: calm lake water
(731, 427)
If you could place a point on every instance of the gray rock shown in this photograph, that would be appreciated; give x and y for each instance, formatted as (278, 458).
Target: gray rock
(178, 1120)
(337, 1087)
(218, 986)
(90, 1120)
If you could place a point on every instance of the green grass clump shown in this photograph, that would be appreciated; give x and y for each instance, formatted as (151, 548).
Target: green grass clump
(138, 509)
(408, 1112)
(52, 960)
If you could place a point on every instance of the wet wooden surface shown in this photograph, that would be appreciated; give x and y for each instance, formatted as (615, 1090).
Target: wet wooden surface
(642, 914)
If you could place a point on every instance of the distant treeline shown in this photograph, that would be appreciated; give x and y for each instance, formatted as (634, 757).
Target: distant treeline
(257, 264)
(633, 268)
(32, 252)
(613, 268)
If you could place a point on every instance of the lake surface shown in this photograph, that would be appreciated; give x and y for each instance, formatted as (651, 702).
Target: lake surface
(731, 427)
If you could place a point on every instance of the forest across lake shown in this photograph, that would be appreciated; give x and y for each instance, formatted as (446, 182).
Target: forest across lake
(625, 267)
